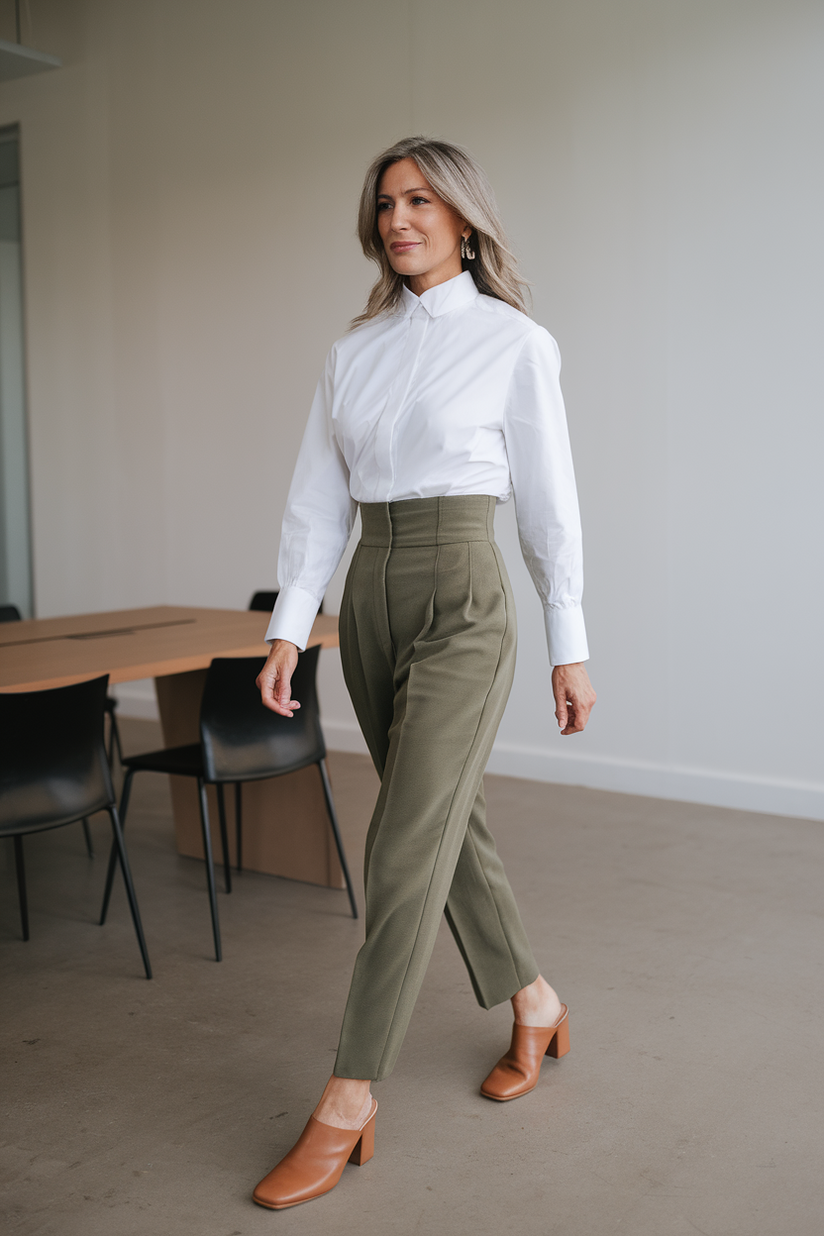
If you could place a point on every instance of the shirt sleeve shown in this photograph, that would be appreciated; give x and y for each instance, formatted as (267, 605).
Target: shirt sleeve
(546, 500)
(317, 522)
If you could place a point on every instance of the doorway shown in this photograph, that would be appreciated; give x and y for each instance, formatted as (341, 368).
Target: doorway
(15, 527)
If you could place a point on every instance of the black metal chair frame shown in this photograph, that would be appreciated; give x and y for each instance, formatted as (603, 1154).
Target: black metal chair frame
(193, 761)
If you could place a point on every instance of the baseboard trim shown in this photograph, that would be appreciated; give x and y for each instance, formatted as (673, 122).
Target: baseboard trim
(766, 795)
(344, 736)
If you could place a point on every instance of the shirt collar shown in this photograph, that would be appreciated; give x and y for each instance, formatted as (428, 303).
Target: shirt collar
(444, 298)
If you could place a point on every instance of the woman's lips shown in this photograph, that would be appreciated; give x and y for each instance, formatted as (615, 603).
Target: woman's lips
(403, 246)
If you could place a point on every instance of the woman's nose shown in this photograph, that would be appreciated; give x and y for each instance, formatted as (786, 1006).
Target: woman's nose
(399, 219)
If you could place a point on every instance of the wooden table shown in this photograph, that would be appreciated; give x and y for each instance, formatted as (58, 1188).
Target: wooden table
(285, 826)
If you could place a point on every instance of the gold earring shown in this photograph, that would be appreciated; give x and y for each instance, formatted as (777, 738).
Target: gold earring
(467, 253)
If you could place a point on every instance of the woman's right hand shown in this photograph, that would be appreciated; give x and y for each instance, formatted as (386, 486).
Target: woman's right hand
(275, 679)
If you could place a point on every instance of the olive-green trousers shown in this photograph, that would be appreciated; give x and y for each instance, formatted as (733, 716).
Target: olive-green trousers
(427, 636)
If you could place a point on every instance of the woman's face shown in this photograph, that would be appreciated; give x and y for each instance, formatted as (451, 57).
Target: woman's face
(421, 234)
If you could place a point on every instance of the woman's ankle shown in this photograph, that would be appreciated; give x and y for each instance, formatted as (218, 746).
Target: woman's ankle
(536, 1005)
(345, 1103)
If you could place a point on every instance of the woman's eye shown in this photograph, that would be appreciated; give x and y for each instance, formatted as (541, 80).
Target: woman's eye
(420, 201)
(383, 206)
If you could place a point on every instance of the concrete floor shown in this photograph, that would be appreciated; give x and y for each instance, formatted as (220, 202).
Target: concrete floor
(686, 940)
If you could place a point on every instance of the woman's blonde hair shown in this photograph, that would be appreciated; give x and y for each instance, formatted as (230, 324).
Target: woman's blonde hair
(462, 184)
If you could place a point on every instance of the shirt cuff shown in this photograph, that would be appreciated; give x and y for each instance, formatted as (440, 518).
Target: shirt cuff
(566, 635)
(295, 611)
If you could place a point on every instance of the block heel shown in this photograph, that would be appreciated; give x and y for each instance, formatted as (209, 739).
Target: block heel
(365, 1148)
(559, 1043)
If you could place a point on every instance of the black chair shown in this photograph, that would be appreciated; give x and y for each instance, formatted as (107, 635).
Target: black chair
(241, 741)
(264, 602)
(54, 771)
(10, 613)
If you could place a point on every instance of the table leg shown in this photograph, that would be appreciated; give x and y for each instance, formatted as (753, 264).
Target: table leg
(286, 828)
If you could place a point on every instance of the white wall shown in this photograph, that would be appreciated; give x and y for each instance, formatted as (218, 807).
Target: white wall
(190, 180)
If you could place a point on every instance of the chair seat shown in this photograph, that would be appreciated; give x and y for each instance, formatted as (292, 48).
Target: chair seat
(181, 761)
(49, 818)
(188, 762)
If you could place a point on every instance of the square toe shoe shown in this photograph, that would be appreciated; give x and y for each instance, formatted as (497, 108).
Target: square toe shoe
(518, 1071)
(315, 1163)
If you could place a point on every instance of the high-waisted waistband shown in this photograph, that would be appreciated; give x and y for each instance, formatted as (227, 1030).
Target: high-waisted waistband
(428, 521)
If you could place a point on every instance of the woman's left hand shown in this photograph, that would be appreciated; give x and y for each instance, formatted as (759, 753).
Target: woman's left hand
(574, 696)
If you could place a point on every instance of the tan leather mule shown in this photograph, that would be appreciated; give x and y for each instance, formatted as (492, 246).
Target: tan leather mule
(517, 1072)
(315, 1163)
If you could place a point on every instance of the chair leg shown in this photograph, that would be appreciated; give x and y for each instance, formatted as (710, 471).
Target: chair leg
(87, 834)
(224, 838)
(120, 847)
(124, 807)
(114, 741)
(333, 820)
(210, 869)
(21, 885)
(239, 826)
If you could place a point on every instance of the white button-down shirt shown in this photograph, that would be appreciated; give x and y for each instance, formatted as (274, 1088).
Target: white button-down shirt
(456, 393)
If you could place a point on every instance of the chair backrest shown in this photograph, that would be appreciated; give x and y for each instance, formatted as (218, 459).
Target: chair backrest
(53, 766)
(242, 740)
(10, 613)
(264, 602)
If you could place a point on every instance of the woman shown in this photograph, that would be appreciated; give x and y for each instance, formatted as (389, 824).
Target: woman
(442, 400)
